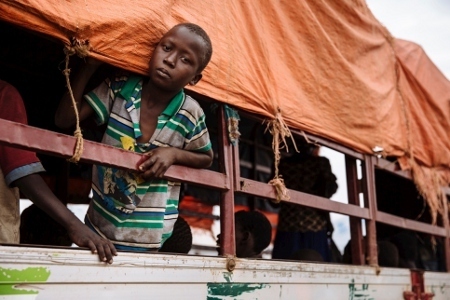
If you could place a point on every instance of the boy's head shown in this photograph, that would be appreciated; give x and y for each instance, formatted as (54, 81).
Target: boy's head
(180, 57)
(253, 233)
(181, 239)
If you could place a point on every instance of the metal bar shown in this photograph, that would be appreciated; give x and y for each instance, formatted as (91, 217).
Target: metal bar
(264, 190)
(61, 145)
(227, 233)
(356, 236)
(396, 221)
(370, 201)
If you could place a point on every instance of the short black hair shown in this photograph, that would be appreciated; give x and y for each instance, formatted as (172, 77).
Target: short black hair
(258, 225)
(207, 53)
(181, 239)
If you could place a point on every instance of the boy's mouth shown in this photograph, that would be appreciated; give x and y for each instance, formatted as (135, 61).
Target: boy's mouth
(163, 72)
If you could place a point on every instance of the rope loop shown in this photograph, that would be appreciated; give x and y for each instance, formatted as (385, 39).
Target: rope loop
(80, 48)
(280, 131)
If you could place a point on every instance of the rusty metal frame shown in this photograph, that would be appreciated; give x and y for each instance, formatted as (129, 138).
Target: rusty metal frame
(370, 201)
(61, 145)
(228, 181)
(227, 165)
(353, 191)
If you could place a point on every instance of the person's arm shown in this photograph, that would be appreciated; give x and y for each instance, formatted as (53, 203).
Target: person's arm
(65, 115)
(35, 189)
(160, 159)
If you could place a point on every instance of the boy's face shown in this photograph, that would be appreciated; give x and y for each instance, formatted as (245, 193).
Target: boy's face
(176, 60)
(244, 242)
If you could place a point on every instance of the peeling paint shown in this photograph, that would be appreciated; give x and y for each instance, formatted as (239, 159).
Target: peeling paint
(228, 276)
(442, 288)
(362, 293)
(10, 280)
(219, 291)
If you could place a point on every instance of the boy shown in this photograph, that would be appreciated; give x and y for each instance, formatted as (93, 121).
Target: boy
(137, 210)
(253, 233)
(19, 171)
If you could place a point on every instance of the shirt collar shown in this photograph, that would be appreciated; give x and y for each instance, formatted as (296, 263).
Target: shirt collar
(174, 105)
(129, 87)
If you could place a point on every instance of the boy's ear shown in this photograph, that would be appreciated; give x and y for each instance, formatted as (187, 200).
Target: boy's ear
(195, 79)
(246, 236)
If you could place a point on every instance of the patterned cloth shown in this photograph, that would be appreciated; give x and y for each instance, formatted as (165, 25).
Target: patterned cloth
(15, 163)
(136, 214)
(302, 227)
(308, 174)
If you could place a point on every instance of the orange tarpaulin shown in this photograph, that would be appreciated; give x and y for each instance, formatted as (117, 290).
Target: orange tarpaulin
(329, 66)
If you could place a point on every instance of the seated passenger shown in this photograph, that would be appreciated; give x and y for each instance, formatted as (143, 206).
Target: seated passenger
(253, 233)
(181, 239)
(388, 254)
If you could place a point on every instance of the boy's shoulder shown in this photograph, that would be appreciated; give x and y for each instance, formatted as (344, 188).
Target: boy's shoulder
(122, 76)
(124, 83)
(192, 105)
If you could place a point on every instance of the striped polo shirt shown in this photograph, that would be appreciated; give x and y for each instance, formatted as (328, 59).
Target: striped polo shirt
(133, 213)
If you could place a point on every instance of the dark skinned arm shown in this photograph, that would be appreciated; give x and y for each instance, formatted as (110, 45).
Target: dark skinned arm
(65, 115)
(157, 161)
(35, 189)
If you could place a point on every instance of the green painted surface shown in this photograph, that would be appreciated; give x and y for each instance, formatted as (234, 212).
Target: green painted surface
(10, 278)
(217, 291)
(356, 293)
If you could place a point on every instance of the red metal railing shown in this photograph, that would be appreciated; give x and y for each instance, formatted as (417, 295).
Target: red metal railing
(229, 182)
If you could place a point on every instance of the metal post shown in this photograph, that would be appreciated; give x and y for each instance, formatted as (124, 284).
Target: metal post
(370, 201)
(227, 239)
(356, 237)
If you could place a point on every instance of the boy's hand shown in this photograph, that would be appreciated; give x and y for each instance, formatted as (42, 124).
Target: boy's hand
(84, 237)
(157, 163)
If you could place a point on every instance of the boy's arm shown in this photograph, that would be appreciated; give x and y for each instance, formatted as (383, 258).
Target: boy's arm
(65, 115)
(35, 188)
(160, 159)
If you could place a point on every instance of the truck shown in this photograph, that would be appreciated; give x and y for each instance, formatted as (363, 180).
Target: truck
(338, 79)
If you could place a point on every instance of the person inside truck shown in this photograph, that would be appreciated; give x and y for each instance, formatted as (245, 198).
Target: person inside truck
(301, 227)
(181, 239)
(19, 171)
(253, 233)
(152, 115)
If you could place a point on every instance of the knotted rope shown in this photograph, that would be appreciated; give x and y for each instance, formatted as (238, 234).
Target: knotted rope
(81, 48)
(427, 180)
(280, 131)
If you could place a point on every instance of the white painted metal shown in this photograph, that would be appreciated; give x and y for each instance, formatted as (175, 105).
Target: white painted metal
(438, 284)
(77, 274)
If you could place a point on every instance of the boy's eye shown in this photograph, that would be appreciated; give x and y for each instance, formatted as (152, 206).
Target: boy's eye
(166, 48)
(185, 60)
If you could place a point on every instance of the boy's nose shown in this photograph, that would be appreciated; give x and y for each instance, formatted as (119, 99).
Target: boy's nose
(170, 60)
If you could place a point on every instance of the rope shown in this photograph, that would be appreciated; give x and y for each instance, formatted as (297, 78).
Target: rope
(280, 131)
(428, 181)
(81, 48)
